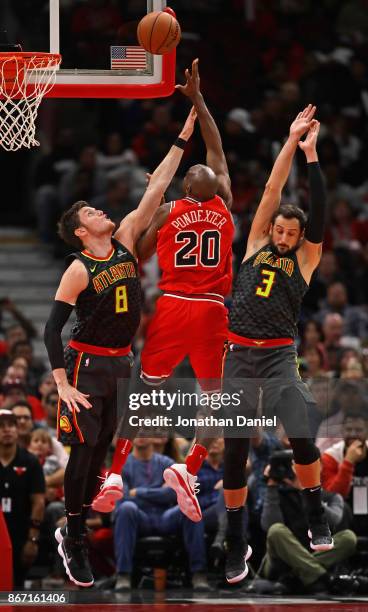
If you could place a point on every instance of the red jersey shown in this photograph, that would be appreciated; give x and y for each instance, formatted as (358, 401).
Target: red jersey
(194, 247)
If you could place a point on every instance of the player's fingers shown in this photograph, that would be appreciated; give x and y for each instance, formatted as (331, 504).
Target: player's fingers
(311, 112)
(67, 402)
(306, 110)
(75, 406)
(81, 398)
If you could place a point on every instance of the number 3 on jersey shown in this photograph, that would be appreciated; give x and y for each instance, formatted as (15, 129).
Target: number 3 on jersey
(121, 299)
(209, 249)
(267, 280)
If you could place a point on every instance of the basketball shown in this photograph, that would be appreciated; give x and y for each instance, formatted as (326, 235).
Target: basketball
(158, 32)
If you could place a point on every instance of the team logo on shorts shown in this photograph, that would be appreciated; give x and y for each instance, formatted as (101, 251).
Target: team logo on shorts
(65, 424)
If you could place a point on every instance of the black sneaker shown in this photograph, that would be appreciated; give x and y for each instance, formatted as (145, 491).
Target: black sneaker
(238, 553)
(61, 532)
(75, 559)
(320, 534)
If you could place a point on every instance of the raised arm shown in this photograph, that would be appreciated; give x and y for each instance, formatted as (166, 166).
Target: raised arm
(310, 252)
(210, 133)
(271, 197)
(134, 224)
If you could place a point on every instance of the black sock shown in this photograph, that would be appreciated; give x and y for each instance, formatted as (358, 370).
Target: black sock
(74, 525)
(313, 502)
(85, 511)
(235, 522)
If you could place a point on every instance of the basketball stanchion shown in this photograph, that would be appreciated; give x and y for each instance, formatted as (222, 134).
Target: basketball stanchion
(6, 573)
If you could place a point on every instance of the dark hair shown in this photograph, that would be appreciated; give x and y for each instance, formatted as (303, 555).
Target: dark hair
(355, 415)
(69, 222)
(289, 211)
(23, 404)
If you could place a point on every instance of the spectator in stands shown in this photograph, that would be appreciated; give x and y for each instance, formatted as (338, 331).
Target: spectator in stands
(117, 201)
(156, 136)
(114, 155)
(353, 370)
(22, 329)
(333, 325)
(288, 545)
(348, 396)
(320, 388)
(13, 390)
(85, 181)
(40, 445)
(312, 336)
(355, 319)
(148, 509)
(345, 468)
(169, 445)
(50, 405)
(23, 348)
(313, 360)
(25, 425)
(22, 494)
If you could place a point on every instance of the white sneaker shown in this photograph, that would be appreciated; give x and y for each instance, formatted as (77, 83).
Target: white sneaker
(111, 491)
(186, 487)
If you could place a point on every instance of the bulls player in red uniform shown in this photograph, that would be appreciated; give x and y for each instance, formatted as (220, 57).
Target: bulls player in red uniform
(193, 237)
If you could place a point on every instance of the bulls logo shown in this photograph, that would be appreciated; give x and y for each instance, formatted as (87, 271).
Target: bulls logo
(65, 424)
(19, 470)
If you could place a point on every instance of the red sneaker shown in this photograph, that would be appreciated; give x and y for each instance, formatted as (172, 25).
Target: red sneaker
(186, 487)
(111, 491)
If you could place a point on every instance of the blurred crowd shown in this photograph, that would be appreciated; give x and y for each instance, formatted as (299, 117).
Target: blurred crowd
(283, 54)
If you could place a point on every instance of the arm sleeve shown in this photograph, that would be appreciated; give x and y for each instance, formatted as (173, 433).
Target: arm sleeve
(59, 315)
(317, 211)
(271, 511)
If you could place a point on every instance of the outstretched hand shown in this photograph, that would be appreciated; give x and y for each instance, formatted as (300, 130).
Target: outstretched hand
(309, 144)
(188, 126)
(303, 121)
(192, 85)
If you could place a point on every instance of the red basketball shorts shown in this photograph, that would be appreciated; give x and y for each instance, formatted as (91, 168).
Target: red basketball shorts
(183, 327)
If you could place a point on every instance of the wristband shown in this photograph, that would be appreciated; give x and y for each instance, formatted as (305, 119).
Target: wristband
(181, 143)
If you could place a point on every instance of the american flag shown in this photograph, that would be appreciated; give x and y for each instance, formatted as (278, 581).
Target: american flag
(128, 58)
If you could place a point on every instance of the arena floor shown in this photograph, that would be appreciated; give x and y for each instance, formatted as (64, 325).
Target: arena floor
(142, 601)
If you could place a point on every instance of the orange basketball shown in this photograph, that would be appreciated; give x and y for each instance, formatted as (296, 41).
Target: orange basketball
(158, 32)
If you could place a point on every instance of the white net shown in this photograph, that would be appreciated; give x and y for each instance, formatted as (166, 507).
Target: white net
(25, 78)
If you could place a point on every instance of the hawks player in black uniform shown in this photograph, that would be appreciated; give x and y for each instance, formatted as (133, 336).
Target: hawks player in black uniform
(102, 282)
(283, 250)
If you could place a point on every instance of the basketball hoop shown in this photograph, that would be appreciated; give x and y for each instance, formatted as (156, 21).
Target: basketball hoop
(24, 79)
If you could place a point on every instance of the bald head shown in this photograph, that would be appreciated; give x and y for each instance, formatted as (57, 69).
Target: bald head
(201, 183)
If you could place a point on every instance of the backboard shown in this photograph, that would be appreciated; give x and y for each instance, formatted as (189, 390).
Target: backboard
(101, 56)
